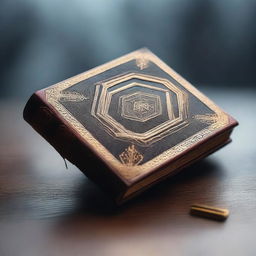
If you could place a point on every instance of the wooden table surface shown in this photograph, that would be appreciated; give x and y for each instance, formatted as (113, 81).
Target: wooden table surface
(48, 210)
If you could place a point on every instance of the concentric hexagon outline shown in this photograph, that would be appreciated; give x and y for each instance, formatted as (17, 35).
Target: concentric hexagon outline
(105, 116)
(130, 85)
(118, 126)
(118, 130)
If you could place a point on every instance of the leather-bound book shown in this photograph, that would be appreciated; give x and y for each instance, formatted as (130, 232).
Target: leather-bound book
(129, 123)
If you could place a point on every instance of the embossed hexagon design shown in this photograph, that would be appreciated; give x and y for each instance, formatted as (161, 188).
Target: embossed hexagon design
(140, 106)
(142, 99)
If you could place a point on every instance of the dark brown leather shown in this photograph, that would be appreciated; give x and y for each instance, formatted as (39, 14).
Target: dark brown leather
(149, 96)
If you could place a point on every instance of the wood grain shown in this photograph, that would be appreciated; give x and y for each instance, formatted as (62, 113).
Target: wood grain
(48, 210)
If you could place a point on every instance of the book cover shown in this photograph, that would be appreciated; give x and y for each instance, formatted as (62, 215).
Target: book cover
(133, 118)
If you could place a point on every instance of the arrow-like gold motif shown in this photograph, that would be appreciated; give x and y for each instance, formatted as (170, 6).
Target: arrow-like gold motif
(71, 96)
(130, 156)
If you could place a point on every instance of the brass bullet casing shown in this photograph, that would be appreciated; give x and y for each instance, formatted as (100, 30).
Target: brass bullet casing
(210, 212)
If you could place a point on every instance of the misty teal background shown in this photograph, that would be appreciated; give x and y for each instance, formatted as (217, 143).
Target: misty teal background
(208, 42)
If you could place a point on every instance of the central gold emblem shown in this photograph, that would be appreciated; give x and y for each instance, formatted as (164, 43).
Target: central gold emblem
(140, 106)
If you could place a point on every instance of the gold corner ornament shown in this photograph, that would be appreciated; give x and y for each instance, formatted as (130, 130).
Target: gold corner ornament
(211, 119)
(130, 156)
(66, 96)
(207, 118)
(142, 62)
(71, 96)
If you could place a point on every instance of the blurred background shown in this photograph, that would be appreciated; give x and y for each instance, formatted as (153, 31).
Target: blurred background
(47, 210)
(210, 43)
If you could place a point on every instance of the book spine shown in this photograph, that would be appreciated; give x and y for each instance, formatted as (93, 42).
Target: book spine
(40, 115)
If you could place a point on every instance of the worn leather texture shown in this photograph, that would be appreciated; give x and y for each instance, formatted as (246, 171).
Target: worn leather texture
(126, 120)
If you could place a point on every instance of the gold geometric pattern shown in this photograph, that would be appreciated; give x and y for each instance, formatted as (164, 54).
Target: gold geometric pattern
(102, 100)
(140, 106)
(130, 156)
